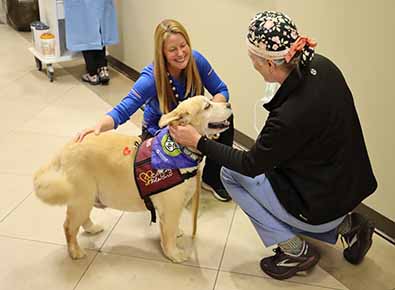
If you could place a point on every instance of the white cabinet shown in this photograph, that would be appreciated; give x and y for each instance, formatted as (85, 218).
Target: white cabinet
(52, 14)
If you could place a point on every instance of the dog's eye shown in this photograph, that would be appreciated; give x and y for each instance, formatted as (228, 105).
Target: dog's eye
(207, 106)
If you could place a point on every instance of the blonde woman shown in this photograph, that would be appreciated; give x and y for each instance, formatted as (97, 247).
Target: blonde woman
(177, 73)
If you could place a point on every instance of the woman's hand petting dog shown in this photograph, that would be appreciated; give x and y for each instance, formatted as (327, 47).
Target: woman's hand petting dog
(81, 135)
(105, 124)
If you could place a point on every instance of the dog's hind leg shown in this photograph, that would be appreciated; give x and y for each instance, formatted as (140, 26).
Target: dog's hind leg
(92, 228)
(76, 216)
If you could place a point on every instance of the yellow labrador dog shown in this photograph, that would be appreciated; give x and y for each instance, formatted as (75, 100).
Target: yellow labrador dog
(98, 169)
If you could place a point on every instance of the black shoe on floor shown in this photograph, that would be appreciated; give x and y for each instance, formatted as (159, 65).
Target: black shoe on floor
(104, 75)
(219, 192)
(358, 239)
(283, 265)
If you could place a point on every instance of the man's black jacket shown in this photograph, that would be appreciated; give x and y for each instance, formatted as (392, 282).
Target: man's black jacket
(311, 147)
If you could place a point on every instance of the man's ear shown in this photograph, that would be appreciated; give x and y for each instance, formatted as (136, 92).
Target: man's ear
(174, 118)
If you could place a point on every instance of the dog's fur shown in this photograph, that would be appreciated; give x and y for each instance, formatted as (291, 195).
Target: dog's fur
(96, 168)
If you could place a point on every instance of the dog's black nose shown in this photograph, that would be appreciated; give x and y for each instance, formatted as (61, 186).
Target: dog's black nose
(228, 106)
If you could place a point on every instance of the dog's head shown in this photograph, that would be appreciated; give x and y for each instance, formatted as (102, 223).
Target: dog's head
(207, 117)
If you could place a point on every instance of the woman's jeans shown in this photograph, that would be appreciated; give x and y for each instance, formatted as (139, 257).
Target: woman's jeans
(274, 224)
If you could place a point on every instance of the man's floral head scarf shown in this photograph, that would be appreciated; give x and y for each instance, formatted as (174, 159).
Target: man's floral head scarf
(273, 35)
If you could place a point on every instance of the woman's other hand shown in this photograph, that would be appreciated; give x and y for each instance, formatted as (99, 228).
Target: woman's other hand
(81, 135)
(107, 123)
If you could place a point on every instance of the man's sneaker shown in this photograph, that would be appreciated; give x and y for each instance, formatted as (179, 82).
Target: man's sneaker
(219, 192)
(283, 265)
(93, 80)
(104, 75)
(358, 239)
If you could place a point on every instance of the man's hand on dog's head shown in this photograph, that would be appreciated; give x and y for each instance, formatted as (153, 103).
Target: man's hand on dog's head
(185, 135)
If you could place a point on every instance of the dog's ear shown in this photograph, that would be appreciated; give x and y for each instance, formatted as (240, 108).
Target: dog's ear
(175, 117)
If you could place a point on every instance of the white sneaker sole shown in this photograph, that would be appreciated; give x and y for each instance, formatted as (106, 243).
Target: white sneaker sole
(207, 187)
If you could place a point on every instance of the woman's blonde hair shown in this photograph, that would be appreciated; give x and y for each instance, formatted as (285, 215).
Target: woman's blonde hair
(193, 82)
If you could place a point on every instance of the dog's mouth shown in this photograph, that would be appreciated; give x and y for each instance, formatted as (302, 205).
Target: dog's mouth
(219, 125)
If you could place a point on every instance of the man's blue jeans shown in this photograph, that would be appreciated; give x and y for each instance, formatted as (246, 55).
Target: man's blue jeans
(274, 224)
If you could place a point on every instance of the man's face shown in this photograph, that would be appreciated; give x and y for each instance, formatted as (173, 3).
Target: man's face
(262, 66)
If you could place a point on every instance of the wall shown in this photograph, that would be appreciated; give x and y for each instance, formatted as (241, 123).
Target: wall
(358, 36)
(3, 17)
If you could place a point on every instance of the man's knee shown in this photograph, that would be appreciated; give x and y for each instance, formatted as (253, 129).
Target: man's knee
(226, 175)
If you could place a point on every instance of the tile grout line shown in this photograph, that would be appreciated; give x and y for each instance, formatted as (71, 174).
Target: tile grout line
(35, 241)
(224, 249)
(46, 106)
(18, 204)
(111, 231)
(39, 133)
(15, 174)
(86, 270)
(44, 242)
(23, 74)
(99, 250)
(159, 261)
(286, 281)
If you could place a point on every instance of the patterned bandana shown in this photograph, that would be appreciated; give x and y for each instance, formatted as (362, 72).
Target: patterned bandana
(167, 154)
(273, 35)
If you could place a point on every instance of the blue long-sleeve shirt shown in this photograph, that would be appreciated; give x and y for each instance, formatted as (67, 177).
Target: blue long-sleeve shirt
(144, 92)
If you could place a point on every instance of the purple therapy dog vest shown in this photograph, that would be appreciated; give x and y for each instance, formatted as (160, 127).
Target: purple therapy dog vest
(156, 166)
(168, 154)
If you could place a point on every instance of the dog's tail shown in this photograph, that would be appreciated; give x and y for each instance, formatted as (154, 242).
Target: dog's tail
(51, 184)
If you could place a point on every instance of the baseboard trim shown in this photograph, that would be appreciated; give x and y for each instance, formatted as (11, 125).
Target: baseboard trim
(384, 226)
(243, 140)
(123, 68)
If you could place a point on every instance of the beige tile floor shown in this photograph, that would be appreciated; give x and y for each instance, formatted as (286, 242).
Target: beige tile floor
(37, 117)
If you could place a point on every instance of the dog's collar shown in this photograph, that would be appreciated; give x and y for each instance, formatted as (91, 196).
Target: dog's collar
(167, 154)
(193, 155)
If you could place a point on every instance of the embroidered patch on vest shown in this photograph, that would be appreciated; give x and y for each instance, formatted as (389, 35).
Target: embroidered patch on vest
(168, 154)
(150, 180)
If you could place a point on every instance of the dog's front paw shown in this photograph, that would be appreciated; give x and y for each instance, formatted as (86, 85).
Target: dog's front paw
(178, 256)
(94, 229)
(77, 253)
